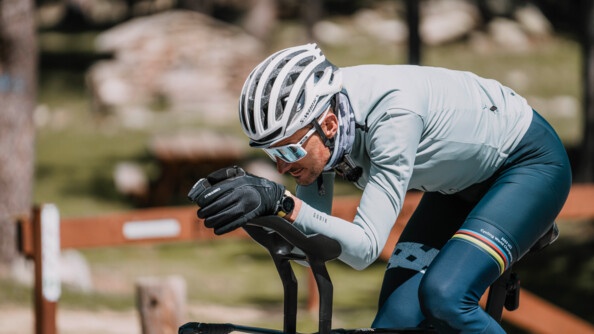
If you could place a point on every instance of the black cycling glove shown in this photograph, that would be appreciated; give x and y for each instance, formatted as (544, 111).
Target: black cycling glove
(230, 197)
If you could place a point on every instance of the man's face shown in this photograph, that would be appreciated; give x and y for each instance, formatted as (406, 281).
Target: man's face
(306, 170)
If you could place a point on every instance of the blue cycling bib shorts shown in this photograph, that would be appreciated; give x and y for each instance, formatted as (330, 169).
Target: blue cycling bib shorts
(455, 246)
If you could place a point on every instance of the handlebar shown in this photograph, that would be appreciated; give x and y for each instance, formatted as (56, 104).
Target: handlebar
(285, 243)
(316, 247)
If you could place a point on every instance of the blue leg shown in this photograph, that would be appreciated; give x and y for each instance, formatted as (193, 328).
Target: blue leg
(401, 309)
(450, 290)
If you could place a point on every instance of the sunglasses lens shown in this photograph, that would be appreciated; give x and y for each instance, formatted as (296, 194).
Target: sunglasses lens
(288, 153)
(292, 152)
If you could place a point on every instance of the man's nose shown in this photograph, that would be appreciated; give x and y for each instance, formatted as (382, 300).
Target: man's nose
(281, 166)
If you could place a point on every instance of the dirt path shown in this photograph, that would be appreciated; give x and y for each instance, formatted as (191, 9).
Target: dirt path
(19, 319)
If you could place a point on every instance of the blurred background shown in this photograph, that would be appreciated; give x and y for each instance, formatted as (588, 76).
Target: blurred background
(113, 105)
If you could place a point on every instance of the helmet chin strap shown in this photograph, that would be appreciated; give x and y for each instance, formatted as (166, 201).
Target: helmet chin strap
(346, 168)
(329, 143)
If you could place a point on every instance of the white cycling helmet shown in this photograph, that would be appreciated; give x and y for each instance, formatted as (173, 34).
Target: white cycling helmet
(286, 92)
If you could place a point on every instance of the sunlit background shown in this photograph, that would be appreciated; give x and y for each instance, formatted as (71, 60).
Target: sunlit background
(137, 99)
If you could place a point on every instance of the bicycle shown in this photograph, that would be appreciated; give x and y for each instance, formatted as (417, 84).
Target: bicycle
(286, 243)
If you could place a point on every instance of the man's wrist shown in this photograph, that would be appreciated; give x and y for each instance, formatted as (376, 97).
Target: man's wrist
(286, 205)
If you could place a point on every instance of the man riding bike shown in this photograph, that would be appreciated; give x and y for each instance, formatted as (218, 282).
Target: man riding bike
(493, 172)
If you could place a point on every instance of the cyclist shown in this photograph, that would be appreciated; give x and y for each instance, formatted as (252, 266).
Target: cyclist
(493, 172)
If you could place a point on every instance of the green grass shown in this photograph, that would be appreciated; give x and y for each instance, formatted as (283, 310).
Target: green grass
(74, 170)
(12, 293)
(227, 272)
(552, 69)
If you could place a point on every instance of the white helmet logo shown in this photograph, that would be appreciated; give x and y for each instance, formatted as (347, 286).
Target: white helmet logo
(312, 106)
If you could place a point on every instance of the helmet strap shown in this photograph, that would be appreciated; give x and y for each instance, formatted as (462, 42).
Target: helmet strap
(329, 143)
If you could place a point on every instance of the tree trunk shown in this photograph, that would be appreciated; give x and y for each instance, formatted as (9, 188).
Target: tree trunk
(414, 37)
(586, 161)
(311, 12)
(18, 88)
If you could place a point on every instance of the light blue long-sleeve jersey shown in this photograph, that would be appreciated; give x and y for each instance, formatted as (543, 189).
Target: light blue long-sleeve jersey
(424, 128)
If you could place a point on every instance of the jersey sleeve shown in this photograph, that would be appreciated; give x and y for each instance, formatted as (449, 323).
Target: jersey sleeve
(391, 145)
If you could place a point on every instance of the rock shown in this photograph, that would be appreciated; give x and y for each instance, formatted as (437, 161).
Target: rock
(130, 179)
(446, 21)
(385, 29)
(50, 14)
(520, 34)
(533, 21)
(509, 35)
(480, 42)
(178, 60)
(330, 33)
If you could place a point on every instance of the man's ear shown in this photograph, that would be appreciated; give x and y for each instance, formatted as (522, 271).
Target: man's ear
(330, 125)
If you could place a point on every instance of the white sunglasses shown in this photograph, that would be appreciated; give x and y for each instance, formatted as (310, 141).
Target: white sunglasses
(291, 153)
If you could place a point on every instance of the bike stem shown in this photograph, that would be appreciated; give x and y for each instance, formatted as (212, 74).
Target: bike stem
(283, 241)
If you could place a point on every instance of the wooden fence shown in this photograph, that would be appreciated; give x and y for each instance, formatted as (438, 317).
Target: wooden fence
(45, 234)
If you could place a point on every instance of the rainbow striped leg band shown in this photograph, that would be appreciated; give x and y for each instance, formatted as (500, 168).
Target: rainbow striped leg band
(497, 247)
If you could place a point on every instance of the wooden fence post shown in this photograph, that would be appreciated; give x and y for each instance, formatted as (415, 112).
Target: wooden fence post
(161, 304)
(46, 241)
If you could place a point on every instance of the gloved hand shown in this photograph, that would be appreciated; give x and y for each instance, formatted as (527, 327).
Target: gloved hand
(230, 197)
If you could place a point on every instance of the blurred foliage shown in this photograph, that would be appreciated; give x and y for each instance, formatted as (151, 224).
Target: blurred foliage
(564, 15)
